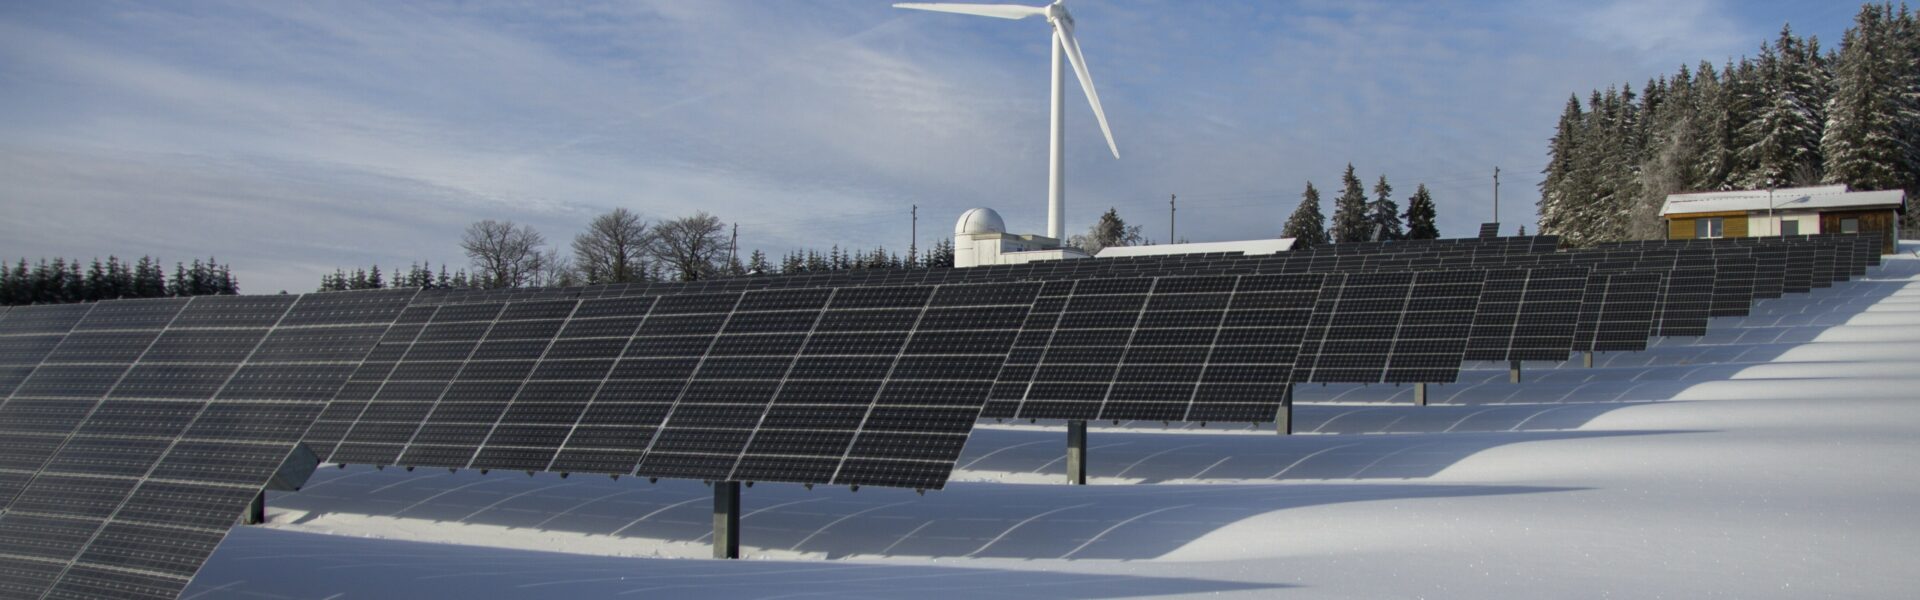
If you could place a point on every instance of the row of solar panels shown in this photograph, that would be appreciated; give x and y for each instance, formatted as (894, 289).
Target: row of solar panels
(1323, 258)
(133, 432)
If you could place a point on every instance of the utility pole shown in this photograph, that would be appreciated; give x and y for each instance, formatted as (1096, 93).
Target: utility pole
(1496, 197)
(913, 245)
(733, 250)
(1170, 215)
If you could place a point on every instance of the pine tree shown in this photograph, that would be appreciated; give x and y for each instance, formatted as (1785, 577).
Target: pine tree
(1350, 211)
(1557, 196)
(374, 279)
(1788, 94)
(757, 263)
(1420, 215)
(1865, 142)
(1383, 214)
(941, 257)
(1307, 226)
(792, 263)
(96, 285)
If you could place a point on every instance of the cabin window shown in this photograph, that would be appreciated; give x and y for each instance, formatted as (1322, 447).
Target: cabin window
(1789, 227)
(1712, 228)
(1850, 226)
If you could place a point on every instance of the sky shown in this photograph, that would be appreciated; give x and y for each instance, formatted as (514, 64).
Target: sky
(289, 139)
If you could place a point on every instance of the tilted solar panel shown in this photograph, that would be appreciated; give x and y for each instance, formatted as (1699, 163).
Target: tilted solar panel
(1617, 311)
(1390, 327)
(1527, 314)
(196, 403)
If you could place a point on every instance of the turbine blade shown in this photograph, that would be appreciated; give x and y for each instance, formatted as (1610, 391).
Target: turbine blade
(1086, 81)
(998, 11)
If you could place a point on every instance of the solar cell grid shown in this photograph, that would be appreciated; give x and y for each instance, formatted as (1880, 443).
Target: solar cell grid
(1617, 311)
(1526, 314)
(1374, 328)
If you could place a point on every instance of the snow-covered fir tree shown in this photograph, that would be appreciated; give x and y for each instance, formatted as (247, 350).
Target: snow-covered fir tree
(1420, 215)
(1350, 211)
(1383, 214)
(1307, 226)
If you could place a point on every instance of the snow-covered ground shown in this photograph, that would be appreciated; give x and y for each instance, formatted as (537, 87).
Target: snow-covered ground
(1778, 456)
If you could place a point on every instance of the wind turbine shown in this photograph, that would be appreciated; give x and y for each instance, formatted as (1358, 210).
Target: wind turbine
(1063, 43)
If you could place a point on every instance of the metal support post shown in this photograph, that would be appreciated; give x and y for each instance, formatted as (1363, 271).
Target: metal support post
(1513, 372)
(1419, 394)
(256, 510)
(1077, 452)
(726, 519)
(1283, 421)
(1586, 359)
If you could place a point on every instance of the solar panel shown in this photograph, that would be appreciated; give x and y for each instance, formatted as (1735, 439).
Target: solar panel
(1489, 230)
(1826, 264)
(192, 406)
(1733, 286)
(852, 386)
(1390, 327)
(1617, 311)
(1210, 349)
(1527, 314)
(883, 390)
(1770, 267)
(1800, 266)
(1686, 303)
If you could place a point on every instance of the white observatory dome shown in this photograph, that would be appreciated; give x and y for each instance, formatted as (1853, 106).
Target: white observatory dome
(979, 220)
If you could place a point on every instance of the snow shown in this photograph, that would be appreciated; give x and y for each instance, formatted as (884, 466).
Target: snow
(1830, 196)
(1773, 457)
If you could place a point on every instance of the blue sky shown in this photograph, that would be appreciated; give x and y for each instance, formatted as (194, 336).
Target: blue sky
(290, 138)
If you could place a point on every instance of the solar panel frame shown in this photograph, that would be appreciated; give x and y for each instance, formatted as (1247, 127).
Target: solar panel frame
(1527, 314)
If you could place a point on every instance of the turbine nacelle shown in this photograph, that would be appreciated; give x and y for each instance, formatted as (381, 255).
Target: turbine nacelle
(1057, 12)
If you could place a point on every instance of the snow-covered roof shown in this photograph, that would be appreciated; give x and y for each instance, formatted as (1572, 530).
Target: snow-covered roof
(1805, 198)
(1243, 246)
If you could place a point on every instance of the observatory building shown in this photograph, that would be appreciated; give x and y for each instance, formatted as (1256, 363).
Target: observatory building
(980, 238)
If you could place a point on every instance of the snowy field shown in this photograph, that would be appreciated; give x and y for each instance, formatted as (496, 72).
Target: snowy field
(1779, 456)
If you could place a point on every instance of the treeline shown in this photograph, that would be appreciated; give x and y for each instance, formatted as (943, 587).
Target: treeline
(1793, 116)
(620, 247)
(1358, 217)
(61, 281)
(835, 259)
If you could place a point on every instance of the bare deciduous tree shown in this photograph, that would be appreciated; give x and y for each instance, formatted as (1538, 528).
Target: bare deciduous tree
(503, 254)
(613, 249)
(693, 246)
(555, 270)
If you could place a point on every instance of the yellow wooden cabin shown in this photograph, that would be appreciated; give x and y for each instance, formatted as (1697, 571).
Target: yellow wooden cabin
(1786, 211)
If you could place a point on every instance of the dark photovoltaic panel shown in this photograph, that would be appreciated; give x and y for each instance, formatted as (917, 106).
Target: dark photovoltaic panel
(1390, 327)
(1800, 267)
(1770, 267)
(1733, 286)
(132, 433)
(1686, 303)
(1489, 230)
(206, 399)
(1826, 267)
(1527, 314)
(1029, 348)
(1211, 348)
(1617, 312)
(885, 387)
(351, 400)
(852, 386)
(437, 356)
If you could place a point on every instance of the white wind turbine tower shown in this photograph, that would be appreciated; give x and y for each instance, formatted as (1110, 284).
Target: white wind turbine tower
(1063, 43)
